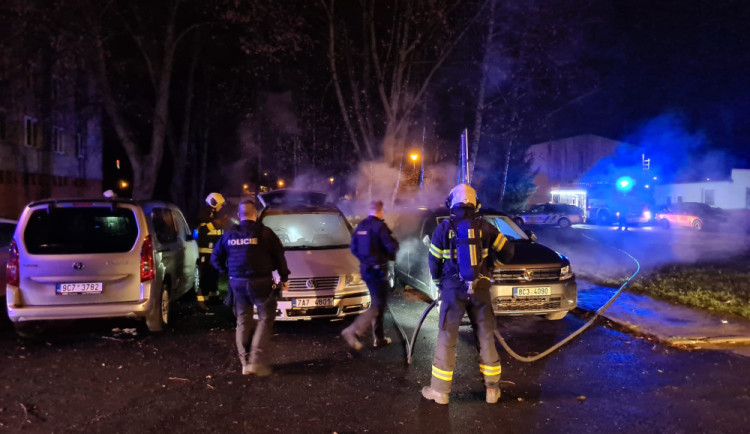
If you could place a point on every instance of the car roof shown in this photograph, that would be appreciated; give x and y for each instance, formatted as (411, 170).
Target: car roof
(146, 205)
(287, 196)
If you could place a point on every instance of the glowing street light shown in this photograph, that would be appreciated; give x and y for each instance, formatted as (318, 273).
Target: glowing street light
(280, 183)
(414, 157)
(331, 180)
(123, 184)
(245, 187)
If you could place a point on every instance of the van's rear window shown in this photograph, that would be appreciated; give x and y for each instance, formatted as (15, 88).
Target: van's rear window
(81, 230)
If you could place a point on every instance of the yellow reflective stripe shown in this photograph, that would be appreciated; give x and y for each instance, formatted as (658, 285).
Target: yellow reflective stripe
(441, 374)
(485, 253)
(205, 250)
(202, 298)
(499, 242)
(434, 251)
(490, 370)
(210, 227)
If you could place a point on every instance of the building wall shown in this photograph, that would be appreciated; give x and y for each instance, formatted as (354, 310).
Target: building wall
(562, 163)
(50, 135)
(733, 194)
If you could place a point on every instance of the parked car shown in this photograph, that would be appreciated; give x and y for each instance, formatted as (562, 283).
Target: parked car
(696, 215)
(537, 281)
(324, 280)
(95, 258)
(555, 214)
(7, 227)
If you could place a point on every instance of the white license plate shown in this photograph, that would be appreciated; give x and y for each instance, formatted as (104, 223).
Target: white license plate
(312, 302)
(79, 288)
(531, 291)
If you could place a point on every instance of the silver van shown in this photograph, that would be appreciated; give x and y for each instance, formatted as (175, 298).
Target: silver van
(324, 280)
(97, 258)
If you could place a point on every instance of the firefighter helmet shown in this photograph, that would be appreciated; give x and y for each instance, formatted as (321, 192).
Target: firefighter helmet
(462, 194)
(215, 200)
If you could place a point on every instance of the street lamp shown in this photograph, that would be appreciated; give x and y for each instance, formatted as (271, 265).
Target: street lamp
(123, 184)
(414, 157)
(331, 180)
(280, 183)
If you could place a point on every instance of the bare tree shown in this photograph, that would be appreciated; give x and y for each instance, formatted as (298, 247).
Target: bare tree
(382, 63)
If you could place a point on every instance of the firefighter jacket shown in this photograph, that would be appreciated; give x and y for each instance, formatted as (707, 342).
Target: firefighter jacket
(443, 257)
(210, 228)
(250, 250)
(373, 243)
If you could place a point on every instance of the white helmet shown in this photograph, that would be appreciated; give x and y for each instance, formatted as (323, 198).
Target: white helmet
(215, 199)
(462, 194)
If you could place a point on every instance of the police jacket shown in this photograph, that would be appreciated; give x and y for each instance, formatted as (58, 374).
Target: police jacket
(209, 229)
(442, 258)
(250, 250)
(373, 243)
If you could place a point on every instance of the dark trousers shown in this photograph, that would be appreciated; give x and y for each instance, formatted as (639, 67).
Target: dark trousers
(454, 303)
(208, 277)
(375, 278)
(253, 337)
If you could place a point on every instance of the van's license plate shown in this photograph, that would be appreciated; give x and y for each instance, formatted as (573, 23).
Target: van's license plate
(312, 302)
(79, 288)
(532, 291)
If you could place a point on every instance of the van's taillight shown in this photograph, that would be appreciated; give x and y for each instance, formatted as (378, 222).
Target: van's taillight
(12, 276)
(147, 259)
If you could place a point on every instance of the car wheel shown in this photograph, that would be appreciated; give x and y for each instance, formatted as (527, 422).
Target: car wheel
(698, 224)
(664, 223)
(555, 316)
(518, 221)
(28, 329)
(159, 316)
(564, 223)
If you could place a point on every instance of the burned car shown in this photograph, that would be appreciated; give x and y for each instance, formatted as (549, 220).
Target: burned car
(324, 280)
(537, 281)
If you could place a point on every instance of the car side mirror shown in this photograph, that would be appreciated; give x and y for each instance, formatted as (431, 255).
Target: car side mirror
(426, 241)
(531, 235)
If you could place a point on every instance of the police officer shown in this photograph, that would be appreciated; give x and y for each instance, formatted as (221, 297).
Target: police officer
(458, 296)
(249, 253)
(374, 245)
(210, 228)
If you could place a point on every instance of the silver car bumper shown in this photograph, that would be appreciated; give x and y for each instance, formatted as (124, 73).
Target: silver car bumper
(343, 305)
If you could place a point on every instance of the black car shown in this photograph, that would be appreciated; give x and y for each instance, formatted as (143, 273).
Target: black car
(537, 281)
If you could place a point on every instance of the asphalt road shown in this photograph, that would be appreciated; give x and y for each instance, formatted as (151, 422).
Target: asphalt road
(82, 376)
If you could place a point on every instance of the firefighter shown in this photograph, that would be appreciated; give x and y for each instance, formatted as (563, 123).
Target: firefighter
(210, 228)
(462, 246)
(249, 253)
(374, 245)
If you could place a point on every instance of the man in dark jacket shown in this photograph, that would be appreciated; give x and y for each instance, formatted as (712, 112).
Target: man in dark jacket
(374, 245)
(459, 296)
(249, 253)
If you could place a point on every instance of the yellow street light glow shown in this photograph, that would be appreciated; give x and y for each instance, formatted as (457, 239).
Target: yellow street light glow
(245, 186)
(123, 184)
(331, 180)
(414, 157)
(280, 183)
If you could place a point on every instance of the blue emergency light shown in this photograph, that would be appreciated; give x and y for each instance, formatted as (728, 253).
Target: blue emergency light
(625, 183)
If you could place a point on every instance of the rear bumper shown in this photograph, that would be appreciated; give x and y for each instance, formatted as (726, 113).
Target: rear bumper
(17, 312)
(343, 305)
(563, 298)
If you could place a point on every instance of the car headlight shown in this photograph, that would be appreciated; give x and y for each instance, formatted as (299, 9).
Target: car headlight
(354, 279)
(647, 215)
(566, 272)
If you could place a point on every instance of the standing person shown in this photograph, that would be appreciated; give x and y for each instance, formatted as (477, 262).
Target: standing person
(249, 253)
(210, 228)
(459, 257)
(374, 245)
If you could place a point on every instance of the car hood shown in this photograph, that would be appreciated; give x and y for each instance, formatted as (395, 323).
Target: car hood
(535, 254)
(320, 263)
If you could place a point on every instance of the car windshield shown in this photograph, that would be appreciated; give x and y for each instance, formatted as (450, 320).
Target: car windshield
(309, 230)
(506, 226)
(81, 230)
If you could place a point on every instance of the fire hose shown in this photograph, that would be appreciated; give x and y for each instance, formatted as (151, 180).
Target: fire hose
(411, 342)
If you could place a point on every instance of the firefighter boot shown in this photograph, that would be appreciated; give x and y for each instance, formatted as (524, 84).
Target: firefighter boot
(258, 369)
(433, 395)
(351, 339)
(492, 395)
(381, 342)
